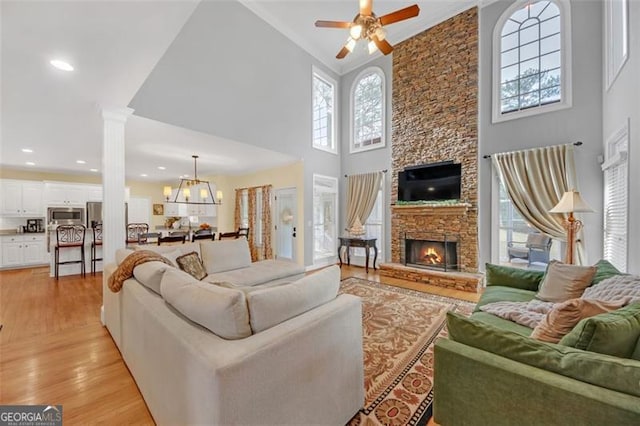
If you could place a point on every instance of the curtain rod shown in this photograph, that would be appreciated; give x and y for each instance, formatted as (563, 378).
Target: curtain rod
(578, 143)
(383, 171)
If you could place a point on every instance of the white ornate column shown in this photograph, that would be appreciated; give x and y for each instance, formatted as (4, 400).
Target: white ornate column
(113, 181)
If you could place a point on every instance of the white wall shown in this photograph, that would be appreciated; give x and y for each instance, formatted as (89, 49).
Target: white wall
(230, 74)
(620, 102)
(581, 122)
(367, 161)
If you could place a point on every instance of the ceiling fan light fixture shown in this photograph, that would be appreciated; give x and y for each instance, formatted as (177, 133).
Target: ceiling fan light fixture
(351, 43)
(372, 47)
(355, 31)
(380, 33)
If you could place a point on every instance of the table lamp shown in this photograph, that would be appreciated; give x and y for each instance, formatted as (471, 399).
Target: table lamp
(571, 202)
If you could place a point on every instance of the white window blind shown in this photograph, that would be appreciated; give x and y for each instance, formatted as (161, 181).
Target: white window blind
(616, 200)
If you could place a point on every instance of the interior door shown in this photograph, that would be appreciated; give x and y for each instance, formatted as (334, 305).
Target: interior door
(286, 200)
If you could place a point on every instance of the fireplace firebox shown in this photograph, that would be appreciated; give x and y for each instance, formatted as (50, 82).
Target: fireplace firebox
(432, 254)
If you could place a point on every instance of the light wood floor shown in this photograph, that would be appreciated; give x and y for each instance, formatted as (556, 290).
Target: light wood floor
(54, 350)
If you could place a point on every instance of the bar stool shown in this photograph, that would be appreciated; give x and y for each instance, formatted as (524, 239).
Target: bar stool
(97, 241)
(69, 236)
(135, 229)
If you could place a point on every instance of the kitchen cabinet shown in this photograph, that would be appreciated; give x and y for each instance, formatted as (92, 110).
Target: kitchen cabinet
(57, 194)
(21, 198)
(94, 193)
(21, 250)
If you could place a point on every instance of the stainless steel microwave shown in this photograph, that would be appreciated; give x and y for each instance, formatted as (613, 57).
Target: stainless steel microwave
(65, 215)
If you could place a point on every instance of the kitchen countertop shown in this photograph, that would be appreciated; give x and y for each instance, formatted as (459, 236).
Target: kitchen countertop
(14, 232)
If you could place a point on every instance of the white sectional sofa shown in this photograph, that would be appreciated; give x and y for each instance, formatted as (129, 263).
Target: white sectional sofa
(262, 354)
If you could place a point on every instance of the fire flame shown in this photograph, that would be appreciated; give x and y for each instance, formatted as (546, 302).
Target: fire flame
(432, 256)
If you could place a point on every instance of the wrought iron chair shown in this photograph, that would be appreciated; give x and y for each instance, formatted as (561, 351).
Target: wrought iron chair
(243, 232)
(535, 249)
(203, 235)
(134, 230)
(228, 235)
(97, 242)
(69, 236)
(172, 239)
(148, 238)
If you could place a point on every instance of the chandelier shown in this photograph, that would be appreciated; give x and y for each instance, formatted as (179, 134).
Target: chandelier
(201, 188)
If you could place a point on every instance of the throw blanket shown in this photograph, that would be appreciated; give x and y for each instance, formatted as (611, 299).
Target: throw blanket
(615, 292)
(125, 269)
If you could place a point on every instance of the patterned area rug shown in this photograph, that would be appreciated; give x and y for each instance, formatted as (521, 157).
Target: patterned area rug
(399, 327)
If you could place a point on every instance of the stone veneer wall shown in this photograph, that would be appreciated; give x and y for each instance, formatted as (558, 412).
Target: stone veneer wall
(435, 116)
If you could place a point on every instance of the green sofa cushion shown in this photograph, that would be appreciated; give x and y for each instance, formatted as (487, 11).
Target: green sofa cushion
(618, 374)
(501, 323)
(506, 276)
(614, 333)
(504, 294)
(604, 270)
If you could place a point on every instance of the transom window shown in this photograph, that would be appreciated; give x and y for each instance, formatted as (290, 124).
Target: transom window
(324, 129)
(367, 100)
(531, 54)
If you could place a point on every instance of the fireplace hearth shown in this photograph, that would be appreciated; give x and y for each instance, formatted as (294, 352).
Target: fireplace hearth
(432, 254)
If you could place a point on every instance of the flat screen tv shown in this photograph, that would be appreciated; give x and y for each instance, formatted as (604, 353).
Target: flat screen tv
(431, 182)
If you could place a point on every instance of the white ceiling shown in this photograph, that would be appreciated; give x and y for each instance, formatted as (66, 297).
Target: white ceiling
(114, 45)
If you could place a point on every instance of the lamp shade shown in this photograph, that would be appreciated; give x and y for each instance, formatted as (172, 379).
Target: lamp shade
(219, 195)
(571, 202)
(167, 191)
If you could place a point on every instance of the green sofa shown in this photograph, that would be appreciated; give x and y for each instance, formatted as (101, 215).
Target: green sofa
(490, 372)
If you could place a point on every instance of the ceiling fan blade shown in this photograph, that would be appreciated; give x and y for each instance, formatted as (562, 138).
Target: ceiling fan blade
(342, 53)
(383, 45)
(333, 24)
(365, 7)
(400, 15)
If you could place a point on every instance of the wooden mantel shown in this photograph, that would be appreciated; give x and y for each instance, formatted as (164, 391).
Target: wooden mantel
(431, 209)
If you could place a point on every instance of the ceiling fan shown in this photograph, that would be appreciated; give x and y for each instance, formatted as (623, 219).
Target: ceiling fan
(366, 25)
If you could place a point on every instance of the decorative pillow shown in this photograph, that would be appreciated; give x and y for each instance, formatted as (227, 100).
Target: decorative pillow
(563, 282)
(604, 270)
(615, 333)
(513, 277)
(615, 288)
(191, 264)
(564, 316)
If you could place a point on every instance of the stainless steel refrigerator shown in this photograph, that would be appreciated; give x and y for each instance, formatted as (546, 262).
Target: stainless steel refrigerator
(94, 213)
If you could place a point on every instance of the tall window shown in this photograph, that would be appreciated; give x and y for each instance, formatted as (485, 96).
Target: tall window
(367, 115)
(325, 215)
(244, 208)
(616, 199)
(531, 59)
(324, 127)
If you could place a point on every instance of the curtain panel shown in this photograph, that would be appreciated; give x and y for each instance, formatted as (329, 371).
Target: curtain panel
(252, 224)
(535, 180)
(237, 219)
(267, 248)
(362, 191)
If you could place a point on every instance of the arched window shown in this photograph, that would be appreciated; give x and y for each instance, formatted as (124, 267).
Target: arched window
(367, 110)
(531, 50)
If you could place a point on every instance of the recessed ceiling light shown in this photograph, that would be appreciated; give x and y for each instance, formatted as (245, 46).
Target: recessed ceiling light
(143, 175)
(30, 163)
(27, 150)
(81, 162)
(162, 168)
(61, 65)
(93, 170)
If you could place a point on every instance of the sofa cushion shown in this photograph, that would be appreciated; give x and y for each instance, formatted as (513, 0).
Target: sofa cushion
(563, 282)
(225, 255)
(260, 272)
(615, 333)
(618, 374)
(221, 310)
(271, 306)
(150, 274)
(506, 276)
(121, 253)
(604, 270)
(564, 316)
(192, 265)
(501, 323)
(182, 248)
(503, 294)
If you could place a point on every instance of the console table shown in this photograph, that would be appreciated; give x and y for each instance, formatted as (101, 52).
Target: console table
(366, 243)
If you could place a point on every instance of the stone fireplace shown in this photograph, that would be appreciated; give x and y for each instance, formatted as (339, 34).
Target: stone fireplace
(433, 254)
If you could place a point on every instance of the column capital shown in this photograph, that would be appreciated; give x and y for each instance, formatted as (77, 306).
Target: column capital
(116, 114)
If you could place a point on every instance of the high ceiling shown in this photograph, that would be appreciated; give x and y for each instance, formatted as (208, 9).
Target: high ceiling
(113, 46)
